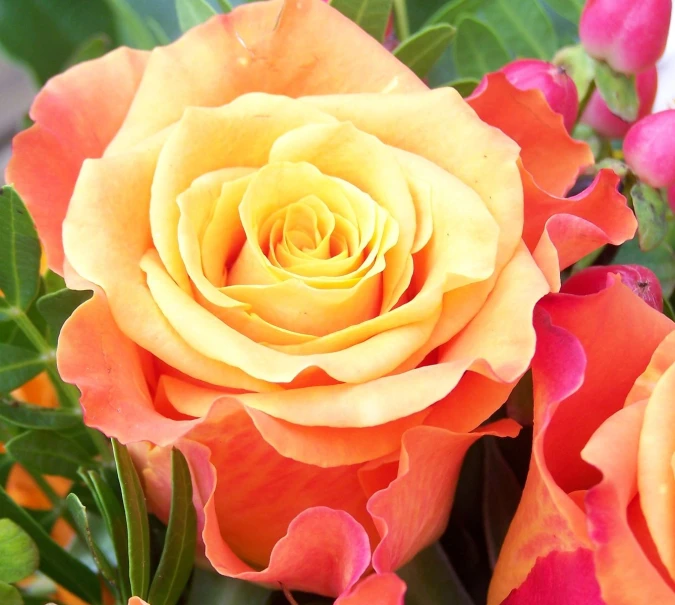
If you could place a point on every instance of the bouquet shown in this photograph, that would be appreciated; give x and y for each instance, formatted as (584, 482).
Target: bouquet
(360, 302)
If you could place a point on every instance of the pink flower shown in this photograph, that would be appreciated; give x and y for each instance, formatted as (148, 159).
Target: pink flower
(649, 149)
(630, 35)
(598, 116)
(552, 81)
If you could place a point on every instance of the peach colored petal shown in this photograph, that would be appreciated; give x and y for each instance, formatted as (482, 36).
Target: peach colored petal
(549, 154)
(76, 115)
(625, 573)
(261, 47)
(380, 589)
(442, 128)
(559, 578)
(413, 510)
(136, 601)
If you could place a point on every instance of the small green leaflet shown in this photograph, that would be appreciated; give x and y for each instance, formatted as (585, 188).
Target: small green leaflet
(59, 306)
(650, 209)
(131, 28)
(453, 10)
(618, 91)
(35, 417)
(371, 15)
(9, 595)
(464, 86)
(19, 557)
(478, 50)
(18, 366)
(193, 12)
(570, 9)
(421, 51)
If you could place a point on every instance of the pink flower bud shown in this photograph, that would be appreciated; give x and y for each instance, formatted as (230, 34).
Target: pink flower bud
(598, 116)
(649, 149)
(639, 279)
(556, 86)
(630, 35)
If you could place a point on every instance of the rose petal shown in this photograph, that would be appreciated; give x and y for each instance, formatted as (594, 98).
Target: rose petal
(383, 589)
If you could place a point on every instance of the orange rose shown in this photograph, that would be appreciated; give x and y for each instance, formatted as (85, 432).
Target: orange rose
(596, 523)
(312, 274)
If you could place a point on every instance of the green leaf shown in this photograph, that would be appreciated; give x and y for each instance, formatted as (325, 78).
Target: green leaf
(193, 12)
(79, 514)
(19, 255)
(422, 50)
(6, 464)
(464, 86)
(53, 282)
(59, 306)
(578, 65)
(570, 9)
(158, 32)
(432, 580)
(501, 495)
(225, 6)
(35, 417)
(44, 34)
(668, 309)
(18, 366)
(659, 260)
(131, 29)
(453, 10)
(48, 453)
(92, 48)
(650, 209)
(111, 510)
(19, 557)
(477, 50)
(10, 595)
(55, 562)
(371, 15)
(138, 530)
(618, 91)
(208, 588)
(524, 27)
(178, 555)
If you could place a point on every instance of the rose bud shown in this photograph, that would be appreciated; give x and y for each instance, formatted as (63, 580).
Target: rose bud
(553, 82)
(639, 279)
(598, 116)
(649, 149)
(630, 36)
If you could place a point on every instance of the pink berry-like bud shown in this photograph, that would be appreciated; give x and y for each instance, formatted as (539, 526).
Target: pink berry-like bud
(556, 86)
(630, 35)
(649, 149)
(639, 279)
(598, 116)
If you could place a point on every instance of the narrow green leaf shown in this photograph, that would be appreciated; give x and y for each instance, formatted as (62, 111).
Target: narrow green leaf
(421, 51)
(524, 26)
(477, 49)
(19, 255)
(570, 9)
(138, 529)
(35, 417)
(370, 15)
(53, 282)
(18, 366)
(193, 12)
(59, 306)
(464, 86)
(161, 37)
(453, 10)
(55, 562)
(131, 29)
(208, 588)
(618, 91)
(92, 48)
(10, 595)
(19, 557)
(668, 309)
(225, 6)
(6, 464)
(111, 510)
(650, 209)
(178, 555)
(659, 260)
(48, 453)
(79, 514)
(501, 495)
(431, 580)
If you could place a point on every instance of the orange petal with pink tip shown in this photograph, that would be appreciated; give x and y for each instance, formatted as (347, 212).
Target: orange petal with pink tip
(383, 589)
(76, 115)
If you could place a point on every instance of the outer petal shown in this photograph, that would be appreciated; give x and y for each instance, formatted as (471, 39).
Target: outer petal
(548, 152)
(559, 578)
(383, 589)
(76, 115)
(625, 573)
(281, 48)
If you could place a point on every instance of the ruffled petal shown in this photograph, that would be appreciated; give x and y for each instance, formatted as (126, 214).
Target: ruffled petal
(383, 589)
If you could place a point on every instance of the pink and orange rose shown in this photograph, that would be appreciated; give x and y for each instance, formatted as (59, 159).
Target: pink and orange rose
(312, 274)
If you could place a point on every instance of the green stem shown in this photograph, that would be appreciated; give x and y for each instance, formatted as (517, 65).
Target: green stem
(587, 98)
(401, 19)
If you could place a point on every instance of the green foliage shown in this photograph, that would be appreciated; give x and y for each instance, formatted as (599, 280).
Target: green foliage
(371, 15)
(569, 9)
(10, 595)
(19, 557)
(464, 86)
(650, 209)
(477, 50)
(58, 306)
(29, 416)
(618, 91)
(209, 588)
(193, 12)
(18, 366)
(423, 49)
